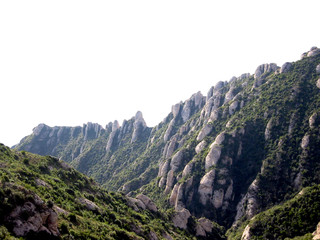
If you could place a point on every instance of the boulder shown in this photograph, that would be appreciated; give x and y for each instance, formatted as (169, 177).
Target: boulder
(204, 226)
(88, 204)
(285, 67)
(313, 52)
(180, 218)
(147, 202)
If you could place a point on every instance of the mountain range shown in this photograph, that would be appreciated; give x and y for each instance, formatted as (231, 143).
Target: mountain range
(241, 162)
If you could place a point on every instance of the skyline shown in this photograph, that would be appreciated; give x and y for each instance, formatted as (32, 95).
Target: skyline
(68, 63)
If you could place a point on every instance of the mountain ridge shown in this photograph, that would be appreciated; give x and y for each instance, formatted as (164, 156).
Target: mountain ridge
(245, 147)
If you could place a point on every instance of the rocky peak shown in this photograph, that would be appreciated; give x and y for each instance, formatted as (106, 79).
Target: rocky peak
(91, 130)
(138, 126)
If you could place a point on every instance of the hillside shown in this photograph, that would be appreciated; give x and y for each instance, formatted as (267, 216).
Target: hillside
(44, 198)
(249, 145)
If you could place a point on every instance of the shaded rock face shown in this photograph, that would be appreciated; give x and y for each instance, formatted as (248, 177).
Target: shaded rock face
(34, 219)
(262, 71)
(139, 127)
(180, 219)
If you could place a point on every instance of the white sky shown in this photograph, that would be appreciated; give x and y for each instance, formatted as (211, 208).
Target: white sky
(66, 62)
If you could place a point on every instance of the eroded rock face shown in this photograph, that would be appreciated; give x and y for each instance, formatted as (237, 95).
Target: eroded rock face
(285, 67)
(34, 217)
(313, 52)
(204, 132)
(180, 218)
(260, 71)
(115, 127)
(215, 151)
(147, 202)
(138, 126)
(204, 226)
(206, 187)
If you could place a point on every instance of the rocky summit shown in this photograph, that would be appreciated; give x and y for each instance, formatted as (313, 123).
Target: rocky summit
(241, 162)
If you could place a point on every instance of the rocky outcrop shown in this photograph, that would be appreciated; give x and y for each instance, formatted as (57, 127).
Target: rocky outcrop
(261, 71)
(139, 126)
(246, 235)
(88, 204)
(147, 202)
(115, 127)
(318, 69)
(180, 218)
(316, 233)
(285, 67)
(33, 218)
(206, 187)
(204, 227)
(215, 151)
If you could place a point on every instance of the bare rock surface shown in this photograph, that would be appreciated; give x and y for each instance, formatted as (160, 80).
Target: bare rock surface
(180, 218)
(147, 202)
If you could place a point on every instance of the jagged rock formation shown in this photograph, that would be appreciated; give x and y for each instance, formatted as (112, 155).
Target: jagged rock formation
(246, 146)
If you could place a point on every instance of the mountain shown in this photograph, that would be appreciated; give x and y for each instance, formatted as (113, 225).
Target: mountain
(248, 146)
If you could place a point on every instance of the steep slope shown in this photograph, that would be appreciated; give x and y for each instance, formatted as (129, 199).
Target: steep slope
(44, 198)
(248, 145)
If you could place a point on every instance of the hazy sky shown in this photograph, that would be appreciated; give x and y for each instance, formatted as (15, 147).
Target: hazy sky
(70, 62)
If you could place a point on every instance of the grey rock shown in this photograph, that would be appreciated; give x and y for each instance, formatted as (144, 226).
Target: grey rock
(147, 202)
(244, 76)
(176, 161)
(217, 199)
(210, 93)
(188, 169)
(318, 69)
(318, 83)
(265, 68)
(139, 126)
(229, 95)
(233, 107)
(314, 51)
(206, 187)
(169, 130)
(305, 141)
(88, 204)
(200, 146)
(246, 235)
(115, 127)
(267, 132)
(286, 67)
(176, 109)
(313, 120)
(203, 227)
(207, 128)
(180, 218)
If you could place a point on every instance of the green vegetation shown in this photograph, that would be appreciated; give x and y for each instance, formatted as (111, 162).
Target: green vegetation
(62, 187)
